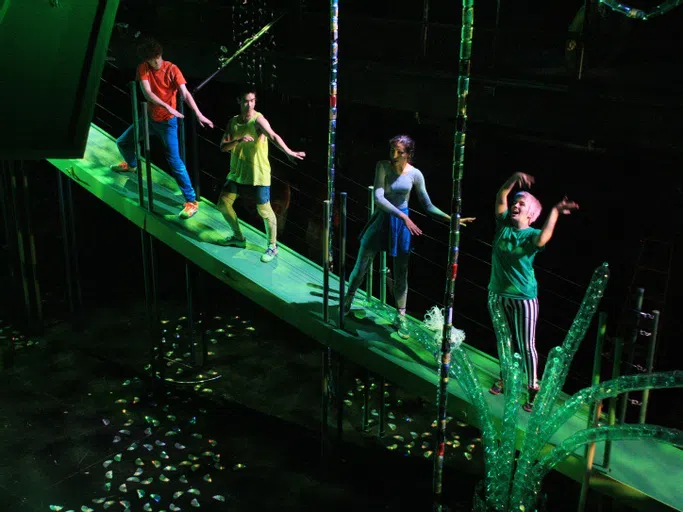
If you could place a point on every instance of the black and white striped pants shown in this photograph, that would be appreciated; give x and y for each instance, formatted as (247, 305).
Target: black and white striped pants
(521, 315)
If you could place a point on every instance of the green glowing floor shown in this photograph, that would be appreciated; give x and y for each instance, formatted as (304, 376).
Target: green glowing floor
(291, 286)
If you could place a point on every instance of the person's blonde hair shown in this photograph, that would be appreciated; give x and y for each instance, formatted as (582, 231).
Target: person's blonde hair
(534, 205)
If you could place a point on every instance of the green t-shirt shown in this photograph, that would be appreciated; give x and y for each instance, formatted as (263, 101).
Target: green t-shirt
(512, 260)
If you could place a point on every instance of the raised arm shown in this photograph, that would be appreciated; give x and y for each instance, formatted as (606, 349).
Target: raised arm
(264, 127)
(187, 97)
(564, 207)
(520, 179)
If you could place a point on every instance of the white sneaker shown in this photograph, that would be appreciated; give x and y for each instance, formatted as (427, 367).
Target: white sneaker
(401, 326)
(270, 254)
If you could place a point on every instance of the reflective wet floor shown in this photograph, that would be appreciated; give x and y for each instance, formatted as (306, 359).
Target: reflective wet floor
(86, 426)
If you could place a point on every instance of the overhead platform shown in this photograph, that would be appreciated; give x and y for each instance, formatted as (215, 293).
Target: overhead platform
(642, 472)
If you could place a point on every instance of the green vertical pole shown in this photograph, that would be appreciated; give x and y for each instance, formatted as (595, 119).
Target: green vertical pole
(652, 348)
(368, 285)
(631, 347)
(326, 260)
(383, 270)
(612, 412)
(332, 126)
(595, 411)
(467, 29)
(136, 134)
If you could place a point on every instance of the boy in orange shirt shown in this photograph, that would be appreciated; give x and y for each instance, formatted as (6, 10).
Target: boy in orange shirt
(160, 81)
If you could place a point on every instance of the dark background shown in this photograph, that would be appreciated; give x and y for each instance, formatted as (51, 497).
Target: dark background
(610, 140)
(607, 133)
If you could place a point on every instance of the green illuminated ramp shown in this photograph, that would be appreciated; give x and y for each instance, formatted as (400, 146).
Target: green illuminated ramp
(642, 472)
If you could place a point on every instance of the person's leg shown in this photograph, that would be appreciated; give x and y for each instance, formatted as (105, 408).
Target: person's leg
(526, 327)
(360, 268)
(527, 315)
(168, 132)
(226, 206)
(401, 281)
(502, 323)
(401, 293)
(126, 145)
(523, 315)
(365, 257)
(266, 212)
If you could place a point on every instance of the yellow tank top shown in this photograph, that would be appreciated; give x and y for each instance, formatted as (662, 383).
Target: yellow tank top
(249, 163)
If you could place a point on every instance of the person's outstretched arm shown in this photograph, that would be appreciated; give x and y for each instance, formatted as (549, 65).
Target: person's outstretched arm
(564, 207)
(520, 179)
(273, 137)
(427, 204)
(190, 101)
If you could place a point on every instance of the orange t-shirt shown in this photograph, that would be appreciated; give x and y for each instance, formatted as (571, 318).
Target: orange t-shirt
(164, 82)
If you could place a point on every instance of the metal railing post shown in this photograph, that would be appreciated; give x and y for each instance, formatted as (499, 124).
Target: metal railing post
(342, 257)
(148, 163)
(595, 410)
(326, 261)
(652, 348)
(369, 278)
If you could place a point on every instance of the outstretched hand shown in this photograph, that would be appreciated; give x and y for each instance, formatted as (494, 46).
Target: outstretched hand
(565, 207)
(464, 221)
(523, 180)
(203, 120)
(296, 155)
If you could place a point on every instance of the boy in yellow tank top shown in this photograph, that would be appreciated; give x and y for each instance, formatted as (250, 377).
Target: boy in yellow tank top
(246, 138)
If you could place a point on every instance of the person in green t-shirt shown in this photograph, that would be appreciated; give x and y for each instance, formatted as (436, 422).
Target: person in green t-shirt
(513, 288)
